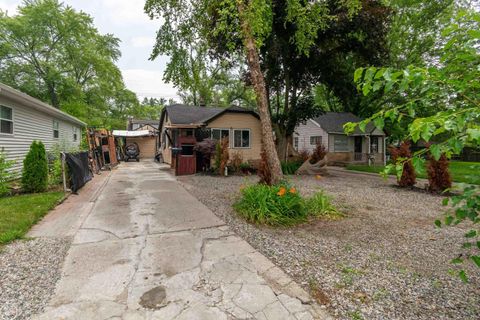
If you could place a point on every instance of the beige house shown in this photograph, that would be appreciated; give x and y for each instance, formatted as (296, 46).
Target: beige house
(327, 129)
(182, 126)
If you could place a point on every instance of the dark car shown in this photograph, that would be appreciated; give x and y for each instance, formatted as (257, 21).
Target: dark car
(132, 151)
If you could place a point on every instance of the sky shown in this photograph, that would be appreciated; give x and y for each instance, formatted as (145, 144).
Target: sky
(127, 21)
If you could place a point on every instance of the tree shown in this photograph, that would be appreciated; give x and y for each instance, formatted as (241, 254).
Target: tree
(447, 92)
(54, 53)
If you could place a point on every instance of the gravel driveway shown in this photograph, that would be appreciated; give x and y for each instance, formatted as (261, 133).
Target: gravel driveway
(384, 260)
(29, 271)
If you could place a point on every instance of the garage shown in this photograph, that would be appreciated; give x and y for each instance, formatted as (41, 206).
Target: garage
(144, 139)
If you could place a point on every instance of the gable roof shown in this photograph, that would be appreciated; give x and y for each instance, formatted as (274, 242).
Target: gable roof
(26, 100)
(332, 122)
(194, 115)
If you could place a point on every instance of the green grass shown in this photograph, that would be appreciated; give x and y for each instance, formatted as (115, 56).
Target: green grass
(467, 172)
(19, 213)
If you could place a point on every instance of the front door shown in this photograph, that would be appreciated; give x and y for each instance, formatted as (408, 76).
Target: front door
(358, 145)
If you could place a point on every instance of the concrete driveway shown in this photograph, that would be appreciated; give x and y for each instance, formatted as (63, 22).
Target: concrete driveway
(147, 249)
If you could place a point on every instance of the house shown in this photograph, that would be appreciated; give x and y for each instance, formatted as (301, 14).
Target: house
(182, 126)
(136, 124)
(327, 129)
(24, 119)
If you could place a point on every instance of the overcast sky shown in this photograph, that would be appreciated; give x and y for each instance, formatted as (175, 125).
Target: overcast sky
(127, 21)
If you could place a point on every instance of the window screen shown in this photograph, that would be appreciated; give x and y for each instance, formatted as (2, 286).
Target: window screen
(341, 143)
(56, 131)
(241, 138)
(6, 120)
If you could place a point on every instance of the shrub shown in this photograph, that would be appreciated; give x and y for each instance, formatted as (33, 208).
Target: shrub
(207, 149)
(320, 205)
(224, 155)
(35, 169)
(272, 205)
(264, 172)
(236, 162)
(218, 155)
(290, 167)
(5, 174)
(303, 155)
(408, 177)
(439, 178)
(246, 168)
(318, 154)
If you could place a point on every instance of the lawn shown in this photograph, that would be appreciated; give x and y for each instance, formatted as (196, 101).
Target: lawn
(19, 213)
(467, 172)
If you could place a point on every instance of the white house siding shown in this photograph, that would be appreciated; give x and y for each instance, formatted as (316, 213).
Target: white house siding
(306, 130)
(29, 125)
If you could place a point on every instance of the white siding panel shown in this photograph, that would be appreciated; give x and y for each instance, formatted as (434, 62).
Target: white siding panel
(30, 125)
(304, 131)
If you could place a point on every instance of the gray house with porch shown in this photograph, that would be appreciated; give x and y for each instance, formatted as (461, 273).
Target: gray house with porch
(327, 129)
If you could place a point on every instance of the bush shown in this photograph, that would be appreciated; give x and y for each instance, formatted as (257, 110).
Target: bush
(236, 162)
(318, 154)
(290, 167)
(264, 172)
(224, 155)
(303, 155)
(272, 205)
(408, 178)
(5, 175)
(320, 205)
(439, 178)
(206, 149)
(35, 169)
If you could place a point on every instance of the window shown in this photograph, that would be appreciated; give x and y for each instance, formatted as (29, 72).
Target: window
(295, 143)
(340, 143)
(374, 144)
(218, 134)
(187, 150)
(315, 140)
(56, 131)
(75, 133)
(6, 120)
(241, 138)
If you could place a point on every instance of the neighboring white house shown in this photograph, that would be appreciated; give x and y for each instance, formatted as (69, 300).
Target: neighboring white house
(24, 119)
(327, 129)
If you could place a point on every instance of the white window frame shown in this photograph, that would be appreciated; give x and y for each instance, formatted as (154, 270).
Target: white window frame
(335, 144)
(75, 134)
(296, 142)
(249, 138)
(57, 129)
(316, 138)
(10, 120)
(221, 129)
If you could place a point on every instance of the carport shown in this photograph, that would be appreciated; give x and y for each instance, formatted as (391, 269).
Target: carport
(144, 138)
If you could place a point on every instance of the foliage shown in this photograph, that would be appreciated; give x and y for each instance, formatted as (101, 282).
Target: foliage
(465, 207)
(263, 171)
(224, 155)
(5, 174)
(466, 172)
(206, 148)
(446, 94)
(291, 166)
(439, 178)
(318, 154)
(54, 53)
(406, 176)
(320, 205)
(218, 156)
(303, 155)
(35, 169)
(19, 213)
(236, 162)
(272, 205)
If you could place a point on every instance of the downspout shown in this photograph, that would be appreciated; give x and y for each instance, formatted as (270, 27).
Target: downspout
(384, 150)
(369, 151)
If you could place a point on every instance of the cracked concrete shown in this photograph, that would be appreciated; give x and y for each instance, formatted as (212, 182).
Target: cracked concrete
(149, 250)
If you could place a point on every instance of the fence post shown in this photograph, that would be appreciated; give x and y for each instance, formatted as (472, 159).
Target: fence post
(64, 176)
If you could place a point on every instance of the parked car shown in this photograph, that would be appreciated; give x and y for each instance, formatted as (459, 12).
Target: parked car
(132, 151)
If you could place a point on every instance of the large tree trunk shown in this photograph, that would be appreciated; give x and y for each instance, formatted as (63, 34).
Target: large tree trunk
(53, 95)
(258, 81)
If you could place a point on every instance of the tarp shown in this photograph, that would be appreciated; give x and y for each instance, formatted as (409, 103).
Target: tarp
(78, 169)
(138, 133)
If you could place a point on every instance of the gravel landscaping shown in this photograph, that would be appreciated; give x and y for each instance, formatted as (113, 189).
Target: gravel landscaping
(29, 271)
(384, 260)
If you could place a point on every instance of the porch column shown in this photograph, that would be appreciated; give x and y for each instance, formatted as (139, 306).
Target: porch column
(369, 148)
(384, 150)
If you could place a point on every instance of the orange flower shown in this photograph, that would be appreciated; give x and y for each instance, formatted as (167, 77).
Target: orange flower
(242, 187)
(282, 191)
(293, 190)
(318, 177)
